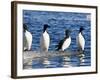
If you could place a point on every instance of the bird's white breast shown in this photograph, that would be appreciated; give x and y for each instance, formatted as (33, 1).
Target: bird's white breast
(45, 41)
(81, 41)
(66, 43)
(28, 38)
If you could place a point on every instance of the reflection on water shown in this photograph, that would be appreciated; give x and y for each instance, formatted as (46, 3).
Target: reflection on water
(66, 61)
(58, 21)
(58, 61)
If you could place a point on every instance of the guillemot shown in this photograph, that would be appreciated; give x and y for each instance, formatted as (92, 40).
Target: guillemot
(27, 38)
(45, 39)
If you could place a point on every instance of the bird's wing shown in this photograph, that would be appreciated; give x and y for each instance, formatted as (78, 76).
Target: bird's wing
(59, 44)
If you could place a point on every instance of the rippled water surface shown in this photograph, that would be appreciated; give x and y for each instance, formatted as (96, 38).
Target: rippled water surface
(58, 22)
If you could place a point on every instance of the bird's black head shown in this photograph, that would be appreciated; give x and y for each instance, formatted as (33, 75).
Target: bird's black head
(45, 27)
(67, 32)
(24, 27)
(81, 29)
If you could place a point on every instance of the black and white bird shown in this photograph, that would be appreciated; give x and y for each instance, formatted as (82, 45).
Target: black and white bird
(81, 40)
(64, 43)
(27, 38)
(45, 39)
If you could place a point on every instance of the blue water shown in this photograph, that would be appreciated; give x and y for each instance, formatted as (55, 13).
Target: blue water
(58, 22)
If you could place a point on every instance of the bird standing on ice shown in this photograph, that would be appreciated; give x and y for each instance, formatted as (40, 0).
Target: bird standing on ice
(64, 43)
(45, 39)
(27, 38)
(81, 40)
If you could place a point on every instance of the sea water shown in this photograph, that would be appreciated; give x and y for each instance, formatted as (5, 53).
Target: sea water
(59, 22)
